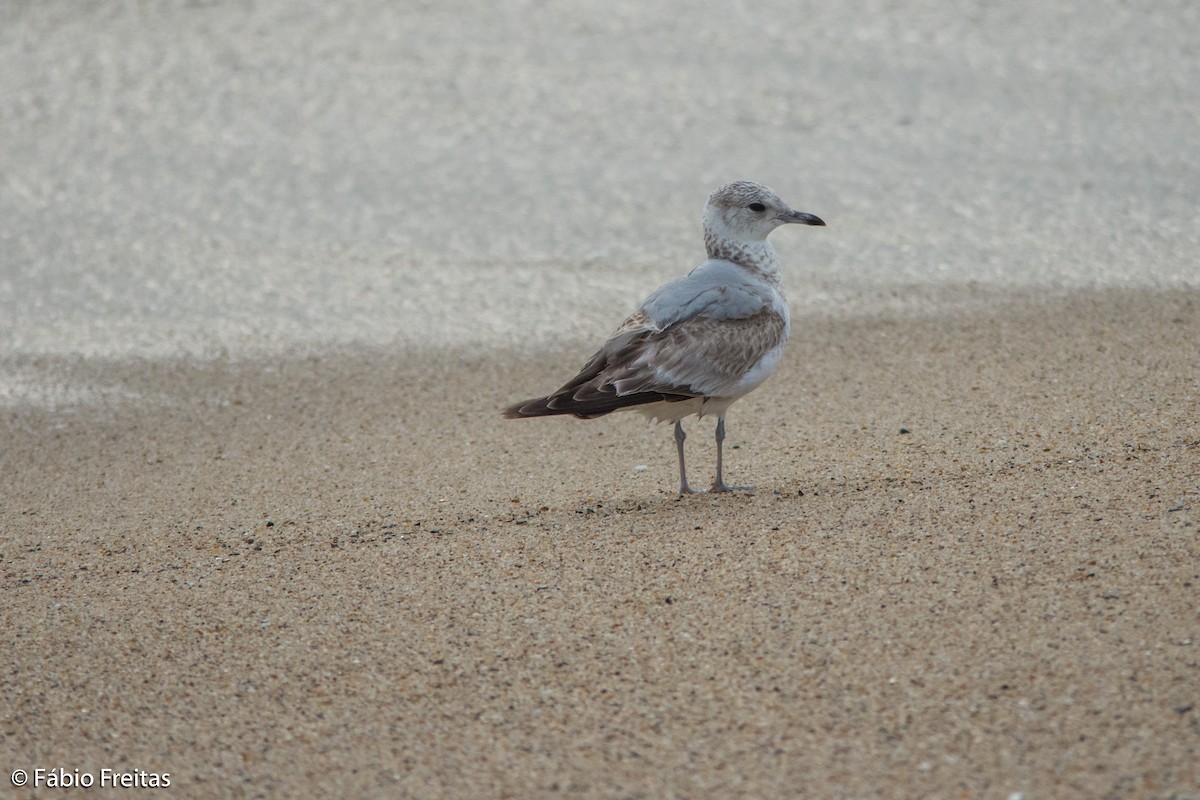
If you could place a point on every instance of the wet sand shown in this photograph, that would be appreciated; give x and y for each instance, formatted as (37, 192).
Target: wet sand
(970, 569)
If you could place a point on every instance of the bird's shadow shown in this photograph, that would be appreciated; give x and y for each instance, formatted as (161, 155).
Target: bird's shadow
(662, 509)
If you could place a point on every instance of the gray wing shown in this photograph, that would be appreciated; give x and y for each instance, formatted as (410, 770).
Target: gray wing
(697, 336)
(715, 289)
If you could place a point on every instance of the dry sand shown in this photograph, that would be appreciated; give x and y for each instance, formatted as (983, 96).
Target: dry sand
(970, 570)
(342, 574)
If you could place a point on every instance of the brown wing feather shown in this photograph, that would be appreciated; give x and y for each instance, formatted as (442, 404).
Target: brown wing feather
(630, 369)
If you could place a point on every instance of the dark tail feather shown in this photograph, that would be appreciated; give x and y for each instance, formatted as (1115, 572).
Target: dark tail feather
(589, 408)
(589, 395)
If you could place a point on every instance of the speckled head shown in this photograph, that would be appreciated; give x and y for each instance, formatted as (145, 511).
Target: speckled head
(744, 211)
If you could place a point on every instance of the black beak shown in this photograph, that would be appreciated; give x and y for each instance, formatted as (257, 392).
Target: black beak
(803, 218)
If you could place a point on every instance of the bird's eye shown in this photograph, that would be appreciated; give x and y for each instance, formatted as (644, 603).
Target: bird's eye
(756, 207)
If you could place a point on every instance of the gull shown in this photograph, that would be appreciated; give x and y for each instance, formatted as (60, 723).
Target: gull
(700, 342)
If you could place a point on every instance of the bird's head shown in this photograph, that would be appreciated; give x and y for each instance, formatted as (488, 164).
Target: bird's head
(745, 211)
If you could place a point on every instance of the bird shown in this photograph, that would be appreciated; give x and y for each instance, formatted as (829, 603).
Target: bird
(700, 342)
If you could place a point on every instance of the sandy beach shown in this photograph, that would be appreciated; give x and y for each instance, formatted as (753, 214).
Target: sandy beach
(270, 271)
(969, 570)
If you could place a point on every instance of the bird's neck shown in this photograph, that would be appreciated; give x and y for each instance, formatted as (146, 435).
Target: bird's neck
(758, 256)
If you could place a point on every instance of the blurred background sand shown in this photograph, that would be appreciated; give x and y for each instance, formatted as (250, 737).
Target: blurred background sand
(209, 177)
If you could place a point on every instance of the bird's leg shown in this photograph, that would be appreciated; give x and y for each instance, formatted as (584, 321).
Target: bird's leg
(679, 437)
(719, 483)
